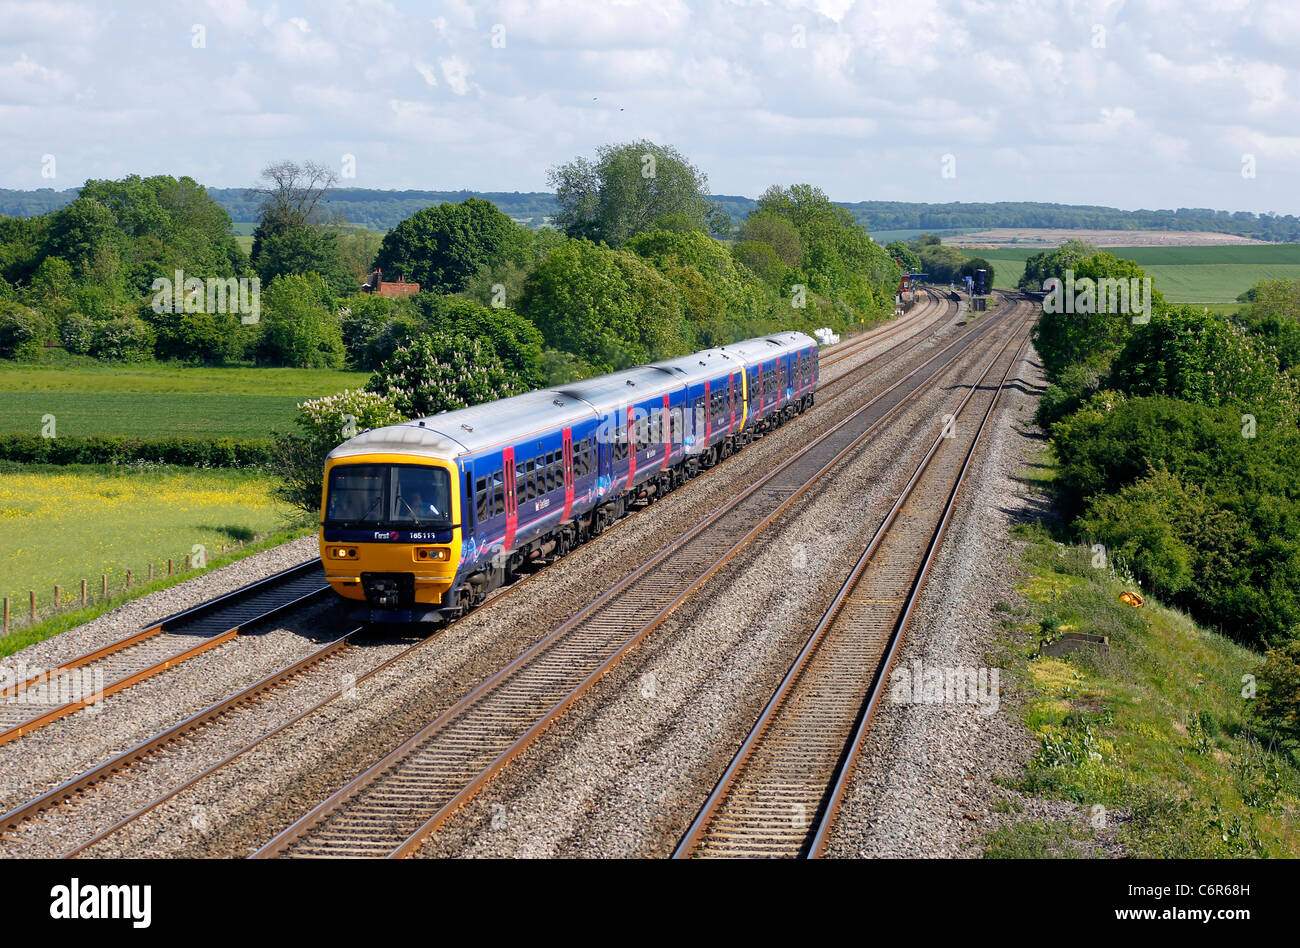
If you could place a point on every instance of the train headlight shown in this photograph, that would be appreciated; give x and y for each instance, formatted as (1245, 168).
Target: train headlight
(343, 552)
(436, 553)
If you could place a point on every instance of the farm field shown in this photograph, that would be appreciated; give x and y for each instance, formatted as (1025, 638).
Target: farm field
(161, 400)
(64, 524)
(1182, 274)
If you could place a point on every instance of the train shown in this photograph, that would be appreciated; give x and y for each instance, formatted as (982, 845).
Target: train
(421, 521)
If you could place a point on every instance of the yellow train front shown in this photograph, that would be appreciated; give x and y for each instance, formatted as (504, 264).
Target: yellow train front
(390, 534)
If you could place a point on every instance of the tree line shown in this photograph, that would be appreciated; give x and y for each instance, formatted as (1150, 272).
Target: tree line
(382, 210)
(1179, 454)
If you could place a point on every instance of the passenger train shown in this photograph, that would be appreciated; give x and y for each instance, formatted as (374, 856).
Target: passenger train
(422, 520)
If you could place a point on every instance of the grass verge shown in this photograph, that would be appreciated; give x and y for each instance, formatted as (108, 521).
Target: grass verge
(1152, 738)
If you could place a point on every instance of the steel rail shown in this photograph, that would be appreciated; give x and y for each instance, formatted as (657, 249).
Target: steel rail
(754, 809)
(553, 655)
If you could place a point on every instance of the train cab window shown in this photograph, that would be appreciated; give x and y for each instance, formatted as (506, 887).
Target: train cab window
(481, 501)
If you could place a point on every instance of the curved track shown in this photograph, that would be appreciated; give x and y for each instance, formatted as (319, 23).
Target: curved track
(782, 790)
(392, 807)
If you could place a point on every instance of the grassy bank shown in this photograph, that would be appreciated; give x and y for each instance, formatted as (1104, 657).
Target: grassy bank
(65, 524)
(1153, 739)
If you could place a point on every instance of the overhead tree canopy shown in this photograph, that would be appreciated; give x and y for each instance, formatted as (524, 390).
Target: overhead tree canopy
(442, 247)
(627, 189)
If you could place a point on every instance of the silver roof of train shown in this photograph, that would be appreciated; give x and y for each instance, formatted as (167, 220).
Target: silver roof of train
(607, 392)
(469, 430)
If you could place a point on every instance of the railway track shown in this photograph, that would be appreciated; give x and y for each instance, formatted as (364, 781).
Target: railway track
(80, 682)
(393, 806)
(136, 760)
(855, 345)
(782, 790)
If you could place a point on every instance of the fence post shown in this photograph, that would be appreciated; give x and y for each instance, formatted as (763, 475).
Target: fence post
(103, 585)
(128, 579)
(31, 594)
(169, 566)
(83, 592)
(6, 615)
(56, 597)
(151, 572)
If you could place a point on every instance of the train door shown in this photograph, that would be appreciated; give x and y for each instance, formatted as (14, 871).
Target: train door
(568, 474)
(512, 501)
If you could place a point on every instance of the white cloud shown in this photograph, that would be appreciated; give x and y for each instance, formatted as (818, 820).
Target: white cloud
(1158, 115)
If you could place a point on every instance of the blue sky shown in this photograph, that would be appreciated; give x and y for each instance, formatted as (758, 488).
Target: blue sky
(1127, 104)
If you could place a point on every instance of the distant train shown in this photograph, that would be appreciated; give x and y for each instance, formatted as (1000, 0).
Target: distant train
(423, 520)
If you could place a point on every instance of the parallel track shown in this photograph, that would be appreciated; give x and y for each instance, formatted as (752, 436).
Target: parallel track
(392, 807)
(780, 795)
(138, 757)
(50, 695)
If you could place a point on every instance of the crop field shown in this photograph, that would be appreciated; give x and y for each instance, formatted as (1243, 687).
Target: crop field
(65, 524)
(160, 400)
(1182, 274)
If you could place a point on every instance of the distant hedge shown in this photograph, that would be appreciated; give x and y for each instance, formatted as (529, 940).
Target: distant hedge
(193, 452)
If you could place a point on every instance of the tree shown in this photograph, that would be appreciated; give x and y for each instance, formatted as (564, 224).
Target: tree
(443, 372)
(778, 233)
(293, 192)
(291, 235)
(605, 306)
(1053, 263)
(1274, 317)
(910, 259)
(442, 247)
(627, 188)
(299, 325)
(324, 423)
(1195, 356)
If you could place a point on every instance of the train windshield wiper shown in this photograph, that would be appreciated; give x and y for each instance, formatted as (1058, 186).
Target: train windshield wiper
(415, 518)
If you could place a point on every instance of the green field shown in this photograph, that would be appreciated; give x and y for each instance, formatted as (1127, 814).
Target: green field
(65, 524)
(1182, 274)
(160, 400)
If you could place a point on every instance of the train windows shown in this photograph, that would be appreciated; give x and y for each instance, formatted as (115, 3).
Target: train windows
(521, 484)
(551, 471)
(530, 481)
(481, 509)
(498, 499)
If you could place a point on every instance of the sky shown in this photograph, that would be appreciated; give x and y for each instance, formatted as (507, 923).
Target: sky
(1164, 104)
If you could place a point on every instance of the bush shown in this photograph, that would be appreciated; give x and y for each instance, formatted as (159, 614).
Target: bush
(444, 372)
(324, 423)
(192, 452)
(22, 331)
(125, 339)
(78, 334)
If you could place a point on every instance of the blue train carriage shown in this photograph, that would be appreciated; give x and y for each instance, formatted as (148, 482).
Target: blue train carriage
(713, 412)
(780, 378)
(639, 450)
(422, 520)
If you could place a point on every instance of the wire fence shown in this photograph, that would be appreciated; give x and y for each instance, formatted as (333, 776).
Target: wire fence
(24, 612)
